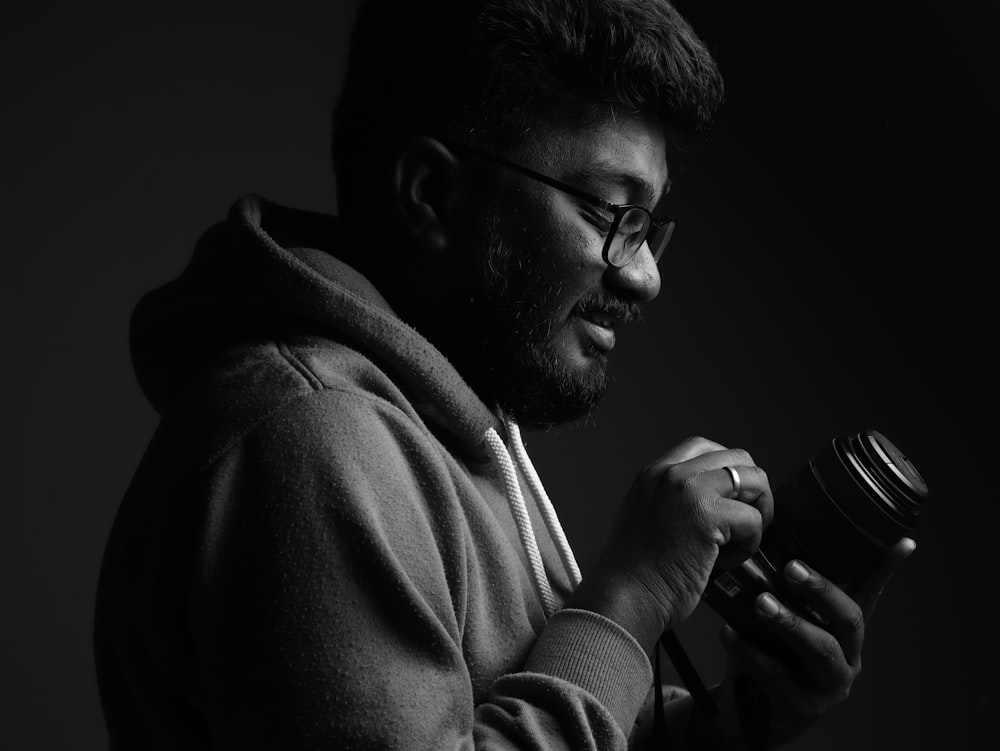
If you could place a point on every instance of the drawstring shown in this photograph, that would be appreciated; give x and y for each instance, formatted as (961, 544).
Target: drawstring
(515, 500)
(544, 504)
(518, 509)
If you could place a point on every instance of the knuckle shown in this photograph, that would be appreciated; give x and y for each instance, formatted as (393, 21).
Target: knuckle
(856, 620)
(786, 620)
(676, 476)
(743, 457)
(694, 441)
(693, 485)
(830, 653)
(818, 585)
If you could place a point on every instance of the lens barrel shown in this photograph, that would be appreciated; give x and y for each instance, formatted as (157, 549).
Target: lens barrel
(840, 513)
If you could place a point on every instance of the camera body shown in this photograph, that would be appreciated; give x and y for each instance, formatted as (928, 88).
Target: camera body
(840, 513)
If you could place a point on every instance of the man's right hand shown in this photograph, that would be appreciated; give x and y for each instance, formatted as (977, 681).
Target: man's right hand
(680, 519)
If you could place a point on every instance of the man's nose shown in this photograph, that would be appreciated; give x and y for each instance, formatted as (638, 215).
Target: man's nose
(639, 279)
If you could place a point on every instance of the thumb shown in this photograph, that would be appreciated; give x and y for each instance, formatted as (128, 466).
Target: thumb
(868, 593)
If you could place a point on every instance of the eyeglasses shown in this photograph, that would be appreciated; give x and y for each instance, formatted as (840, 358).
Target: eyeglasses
(630, 227)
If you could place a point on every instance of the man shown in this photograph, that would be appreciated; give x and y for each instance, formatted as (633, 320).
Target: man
(336, 539)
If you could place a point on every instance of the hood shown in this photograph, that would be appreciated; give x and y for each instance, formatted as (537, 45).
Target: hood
(267, 270)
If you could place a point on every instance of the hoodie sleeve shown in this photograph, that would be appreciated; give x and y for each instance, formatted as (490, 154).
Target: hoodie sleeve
(330, 594)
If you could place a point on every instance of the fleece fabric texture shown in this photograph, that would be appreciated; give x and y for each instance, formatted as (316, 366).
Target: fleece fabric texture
(316, 550)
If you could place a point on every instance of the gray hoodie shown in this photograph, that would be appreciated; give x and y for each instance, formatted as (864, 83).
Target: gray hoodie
(328, 543)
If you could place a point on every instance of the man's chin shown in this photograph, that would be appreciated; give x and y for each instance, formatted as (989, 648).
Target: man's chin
(547, 391)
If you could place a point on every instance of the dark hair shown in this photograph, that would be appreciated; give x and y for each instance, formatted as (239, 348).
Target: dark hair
(482, 72)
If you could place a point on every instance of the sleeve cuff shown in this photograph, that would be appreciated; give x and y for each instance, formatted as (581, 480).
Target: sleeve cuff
(598, 655)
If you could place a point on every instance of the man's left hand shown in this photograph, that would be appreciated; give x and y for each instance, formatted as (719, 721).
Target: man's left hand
(818, 665)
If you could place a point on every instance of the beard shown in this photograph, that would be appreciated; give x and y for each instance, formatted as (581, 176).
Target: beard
(510, 350)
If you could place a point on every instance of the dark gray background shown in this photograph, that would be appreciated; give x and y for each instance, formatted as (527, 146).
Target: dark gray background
(835, 269)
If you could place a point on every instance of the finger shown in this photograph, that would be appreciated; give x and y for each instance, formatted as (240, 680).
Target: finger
(802, 701)
(841, 615)
(688, 449)
(712, 465)
(740, 528)
(750, 485)
(709, 460)
(748, 476)
(870, 590)
(819, 654)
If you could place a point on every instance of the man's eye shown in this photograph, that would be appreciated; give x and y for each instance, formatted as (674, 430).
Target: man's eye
(602, 224)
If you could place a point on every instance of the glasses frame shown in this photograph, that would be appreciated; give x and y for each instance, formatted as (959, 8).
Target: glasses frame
(618, 210)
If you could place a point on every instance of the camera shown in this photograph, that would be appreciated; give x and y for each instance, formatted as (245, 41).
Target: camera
(840, 513)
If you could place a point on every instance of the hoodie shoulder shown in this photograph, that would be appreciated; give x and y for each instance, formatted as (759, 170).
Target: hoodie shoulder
(251, 382)
(272, 277)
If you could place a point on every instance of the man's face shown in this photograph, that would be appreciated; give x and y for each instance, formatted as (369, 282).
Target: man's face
(544, 306)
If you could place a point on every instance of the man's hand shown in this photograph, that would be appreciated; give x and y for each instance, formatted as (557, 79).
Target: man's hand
(680, 518)
(818, 666)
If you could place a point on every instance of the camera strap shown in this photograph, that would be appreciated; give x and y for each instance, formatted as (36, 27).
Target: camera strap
(752, 703)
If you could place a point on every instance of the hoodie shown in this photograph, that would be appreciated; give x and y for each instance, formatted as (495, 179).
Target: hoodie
(330, 541)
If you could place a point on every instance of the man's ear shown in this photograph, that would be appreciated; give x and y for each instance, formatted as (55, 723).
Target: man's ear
(426, 191)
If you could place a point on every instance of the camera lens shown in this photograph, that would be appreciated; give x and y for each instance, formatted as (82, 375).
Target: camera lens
(847, 506)
(892, 478)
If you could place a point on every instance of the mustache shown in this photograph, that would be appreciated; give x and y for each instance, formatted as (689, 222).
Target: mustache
(625, 310)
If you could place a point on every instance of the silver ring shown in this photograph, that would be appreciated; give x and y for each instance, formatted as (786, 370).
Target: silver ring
(736, 481)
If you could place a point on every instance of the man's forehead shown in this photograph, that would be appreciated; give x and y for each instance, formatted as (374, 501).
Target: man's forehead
(626, 153)
(638, 187)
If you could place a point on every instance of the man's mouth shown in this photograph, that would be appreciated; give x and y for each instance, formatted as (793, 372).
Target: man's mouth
(605, 310)
(598, 319)
(601, 318)
(598, 326)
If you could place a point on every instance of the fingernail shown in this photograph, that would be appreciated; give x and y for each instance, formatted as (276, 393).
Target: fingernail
(728, 634)
(768, 606)
(797, 572)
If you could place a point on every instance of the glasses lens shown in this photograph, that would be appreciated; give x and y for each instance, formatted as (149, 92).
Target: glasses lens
(628, 237)
(659, 240)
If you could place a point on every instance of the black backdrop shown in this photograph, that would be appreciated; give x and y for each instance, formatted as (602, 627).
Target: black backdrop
(835, 269)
